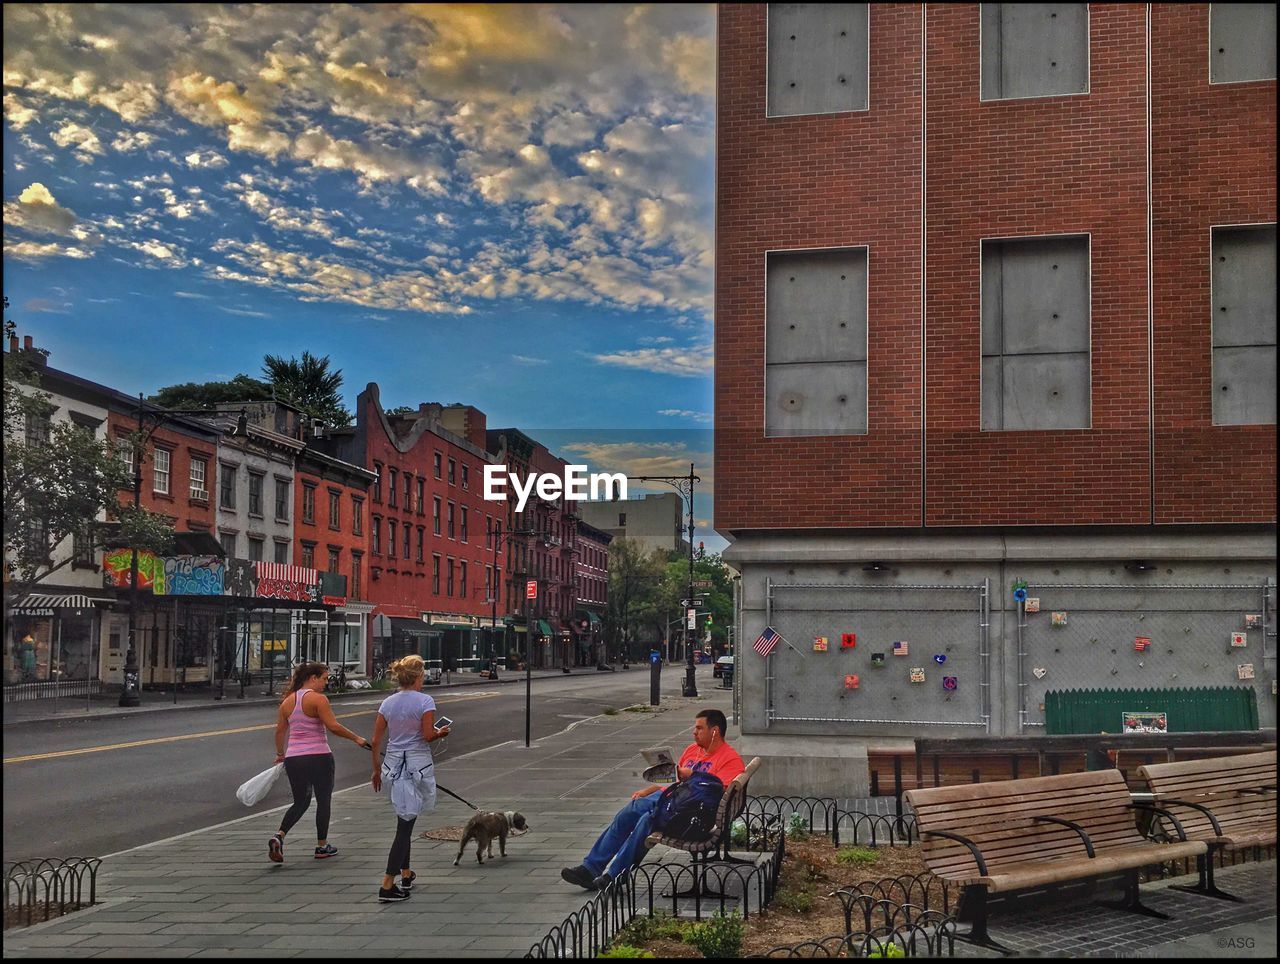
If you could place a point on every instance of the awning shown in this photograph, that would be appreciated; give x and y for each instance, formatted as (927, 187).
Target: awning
(435, 625)
(412, 627)
(592, 618)
(544, 627)
(59, 600)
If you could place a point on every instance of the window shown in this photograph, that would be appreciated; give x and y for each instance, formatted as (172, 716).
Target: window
(406, 540)
(436, 464)
(816, 343)
(125, 451)
(1034, 49)
(81, 547)
(282, 500)
(449, 582)
(391, 538)
(435, 575)
(421, 535)
(464, 523)
(451, 510)
(199, 470)
(488, 583)
(488, 532)
(357, 515)
(1243, 280)
(228, 540)
(391, 487)
(435, 515)
(308, 502)
(421, 504)
(356, 559)
(408, 493)
(255, 493)
(817, 58)
(160, 471)
(334, 557)
(465, 477)
(255, 549)
(282, 552)
(1242, 42)
(1035, 334)
(335, 509)
(377, 482)
(309, 555)
(226, 485)
(38, 428)
(462, 579)
(376, 531)
(622, 519)
(453, 468)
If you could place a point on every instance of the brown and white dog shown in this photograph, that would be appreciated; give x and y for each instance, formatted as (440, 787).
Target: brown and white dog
(485, 826)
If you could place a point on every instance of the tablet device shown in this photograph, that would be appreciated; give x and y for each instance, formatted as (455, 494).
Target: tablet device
(443, 722)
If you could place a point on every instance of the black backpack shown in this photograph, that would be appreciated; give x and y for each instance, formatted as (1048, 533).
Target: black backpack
(687, 809)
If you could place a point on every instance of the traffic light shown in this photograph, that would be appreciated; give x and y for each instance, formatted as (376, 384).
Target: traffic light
(708, 619)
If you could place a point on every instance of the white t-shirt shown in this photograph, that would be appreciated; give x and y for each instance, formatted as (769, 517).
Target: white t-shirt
(403, 712)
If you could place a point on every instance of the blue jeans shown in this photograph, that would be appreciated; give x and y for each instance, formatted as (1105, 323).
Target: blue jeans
(621, 846)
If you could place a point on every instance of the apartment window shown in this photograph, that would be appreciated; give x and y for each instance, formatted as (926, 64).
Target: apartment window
(282, 500)
(255, 493)
(335, 509)
(38, 428)
(228, 540)
(406, 540)
(1244, 323)
(357, 516)
(1035, 334)
(488, 532)
(451, 511)
(81, 547)
(335, 556)
(1242, 42)
(125, 450)
(462, 579)
(453, 469)
(309, 555)
(391, 488)
(199, 473)
(356, 559)
(436, 464)
(377, 482)
(421, 534)
(226, 485)
(449, 580)
(408, 493)
(160, 471)
(421, 503)
(391, 538)
(817, 58)
(816, 343)
(1034, 49)
(435, 515)
(464, 524)
(465, 477)
(255, 549)
(376, 531)
(488, 583)
(282, 552)
(435, 575)
(622, 518)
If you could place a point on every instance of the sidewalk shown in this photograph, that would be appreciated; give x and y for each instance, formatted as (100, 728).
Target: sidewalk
(107, 705)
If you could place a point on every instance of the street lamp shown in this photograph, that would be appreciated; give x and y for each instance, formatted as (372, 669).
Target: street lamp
(129, 693)
(500, 537)
(684, 485)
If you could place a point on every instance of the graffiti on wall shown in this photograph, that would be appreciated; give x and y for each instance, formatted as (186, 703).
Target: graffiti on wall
(116, 565)
(194, 575)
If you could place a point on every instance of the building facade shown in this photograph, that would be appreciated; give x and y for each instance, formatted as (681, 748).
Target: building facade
(591, 574)
(995, 305)
(654, 521)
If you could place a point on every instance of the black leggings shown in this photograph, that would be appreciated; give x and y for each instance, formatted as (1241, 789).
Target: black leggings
(305, 772)
(398, 859)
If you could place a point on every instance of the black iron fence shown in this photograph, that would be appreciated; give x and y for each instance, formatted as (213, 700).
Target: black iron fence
(924, 934)
(823, 815)
(36, 890)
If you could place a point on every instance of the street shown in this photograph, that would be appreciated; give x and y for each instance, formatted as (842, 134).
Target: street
(93, 787)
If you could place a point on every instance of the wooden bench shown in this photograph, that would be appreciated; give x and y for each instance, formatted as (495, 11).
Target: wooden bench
(716, 846)
(1228, 802)
(1035, 835)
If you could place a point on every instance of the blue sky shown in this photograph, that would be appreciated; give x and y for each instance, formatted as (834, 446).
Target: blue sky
(509, 206)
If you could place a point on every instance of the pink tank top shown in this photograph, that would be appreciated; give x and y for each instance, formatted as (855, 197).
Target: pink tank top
(307, 736)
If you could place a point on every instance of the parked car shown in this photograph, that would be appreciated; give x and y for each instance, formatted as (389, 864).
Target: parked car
(723, 663)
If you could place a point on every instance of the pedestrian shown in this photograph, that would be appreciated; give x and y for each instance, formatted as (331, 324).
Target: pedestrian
(407, 719)
(304, 716)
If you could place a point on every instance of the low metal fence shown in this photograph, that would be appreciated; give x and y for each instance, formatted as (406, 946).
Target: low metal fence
(890, 901)
(37, 890)
(824, 815)
(928, 934)
(51, 689)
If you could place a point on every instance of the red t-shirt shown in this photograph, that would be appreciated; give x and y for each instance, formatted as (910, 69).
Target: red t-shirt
(724, 764)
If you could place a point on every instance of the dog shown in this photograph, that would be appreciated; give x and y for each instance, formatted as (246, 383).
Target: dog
(484, 826)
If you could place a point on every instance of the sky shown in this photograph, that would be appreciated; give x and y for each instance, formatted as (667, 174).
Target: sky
(506, 206)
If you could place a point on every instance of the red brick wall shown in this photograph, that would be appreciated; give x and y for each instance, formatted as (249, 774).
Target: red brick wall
(1072, 164)
(187, 514)
(1213, 163)
(317, 531)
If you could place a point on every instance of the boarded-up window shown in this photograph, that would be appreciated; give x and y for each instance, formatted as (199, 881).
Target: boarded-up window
(1244, 325)
(1242, 42)
(816, 343)
(1035, 334)
(817, 58)
(1034, 49)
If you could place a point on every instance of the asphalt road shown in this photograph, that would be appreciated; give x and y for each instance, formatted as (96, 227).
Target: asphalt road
(154, 775)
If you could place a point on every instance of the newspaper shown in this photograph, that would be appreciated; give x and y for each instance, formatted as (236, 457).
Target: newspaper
(662, 764)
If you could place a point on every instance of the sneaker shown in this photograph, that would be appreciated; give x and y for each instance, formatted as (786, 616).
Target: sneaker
(389, 895)
(406, 883)
(579, 875)
(603, 881)
(275, 849)
(328, 850)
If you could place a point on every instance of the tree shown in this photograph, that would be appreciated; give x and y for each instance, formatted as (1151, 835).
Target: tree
(635, 576)
(209, 395)
(308, 384)
(59, 483)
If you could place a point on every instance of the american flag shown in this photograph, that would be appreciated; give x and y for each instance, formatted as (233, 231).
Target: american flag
(900, 647)
(768, 639)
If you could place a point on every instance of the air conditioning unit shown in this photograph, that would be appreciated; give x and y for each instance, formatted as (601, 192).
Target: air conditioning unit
(317, 428)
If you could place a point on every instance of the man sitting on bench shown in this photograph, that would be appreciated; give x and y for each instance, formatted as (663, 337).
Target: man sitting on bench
(622, 845)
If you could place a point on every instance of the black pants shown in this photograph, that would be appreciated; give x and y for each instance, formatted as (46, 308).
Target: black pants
(305, 772)
(398, 859)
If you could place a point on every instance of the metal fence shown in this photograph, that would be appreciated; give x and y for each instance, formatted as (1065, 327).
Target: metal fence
(947, 632)
(36, 890)
(824, 815)
(51, 689)
(1136, 636)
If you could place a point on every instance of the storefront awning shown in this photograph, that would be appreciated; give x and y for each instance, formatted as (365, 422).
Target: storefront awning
(544, 627)
(412, 627)
(45, 600)
(592, 618)
(436, 625)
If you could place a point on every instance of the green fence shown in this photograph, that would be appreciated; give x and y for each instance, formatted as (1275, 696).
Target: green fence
(1184, 710)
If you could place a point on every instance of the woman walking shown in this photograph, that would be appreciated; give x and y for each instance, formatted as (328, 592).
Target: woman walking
(304, 716)
(408, 719)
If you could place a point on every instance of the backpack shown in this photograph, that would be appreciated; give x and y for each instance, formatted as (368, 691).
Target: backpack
(687, 809)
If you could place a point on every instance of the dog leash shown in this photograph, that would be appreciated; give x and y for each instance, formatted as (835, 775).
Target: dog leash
(441, 786)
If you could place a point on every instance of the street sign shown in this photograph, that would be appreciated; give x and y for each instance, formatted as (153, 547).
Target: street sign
(531, 589)
(692, 617)
(702, 584)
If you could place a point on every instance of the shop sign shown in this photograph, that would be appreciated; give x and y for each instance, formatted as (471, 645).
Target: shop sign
(34, 612)
(334, 600)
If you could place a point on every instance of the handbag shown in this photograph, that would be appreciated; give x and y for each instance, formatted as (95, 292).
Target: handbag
(255, 788)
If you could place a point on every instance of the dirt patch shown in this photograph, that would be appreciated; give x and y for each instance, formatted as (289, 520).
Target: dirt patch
(453, 834)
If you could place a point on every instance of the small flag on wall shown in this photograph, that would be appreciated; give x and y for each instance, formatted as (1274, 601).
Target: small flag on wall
(767, 641)
(901, 647)
(848, 640)
(819, 644)
(1239, 640)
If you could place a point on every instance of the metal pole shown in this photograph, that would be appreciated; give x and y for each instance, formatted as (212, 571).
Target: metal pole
(493, 600)
(690, 684)
(173, 646)
(129, 692)
(528, 668)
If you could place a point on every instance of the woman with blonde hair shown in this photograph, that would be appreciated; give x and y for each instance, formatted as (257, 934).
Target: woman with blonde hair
(303, 717)
(408, 718)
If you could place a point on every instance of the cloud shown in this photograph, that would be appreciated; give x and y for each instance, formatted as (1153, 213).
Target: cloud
(81, 140)
(526, 360)
(36, 210)
(33, 251)
(644, 458)
(127, 141)
(247, 312)
(685, 413)
(167, 254)
(18, 114)
(190, 294)
(207, 159)
(692, 362)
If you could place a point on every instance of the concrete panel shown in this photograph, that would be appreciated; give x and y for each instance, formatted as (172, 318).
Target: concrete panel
(1041, 297)
(1244, 386)
(817, 306)
(993, 393)
(1046, 391)
(817, 58)
(1034, 49)
(816, 399)
(1244, 286)
(1242, 42)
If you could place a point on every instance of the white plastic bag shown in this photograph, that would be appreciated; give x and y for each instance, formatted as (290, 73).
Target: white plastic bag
(255, 788)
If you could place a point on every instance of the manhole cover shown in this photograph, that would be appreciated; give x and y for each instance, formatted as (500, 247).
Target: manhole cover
(443, 833)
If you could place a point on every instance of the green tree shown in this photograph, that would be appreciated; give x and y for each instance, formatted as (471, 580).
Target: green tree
(59, 481)
(309, 384)
(635, 578)
(717, 601)
(209, 395)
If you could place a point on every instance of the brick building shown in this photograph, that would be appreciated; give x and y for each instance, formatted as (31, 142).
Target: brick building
(995, 302)
(591, 568)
